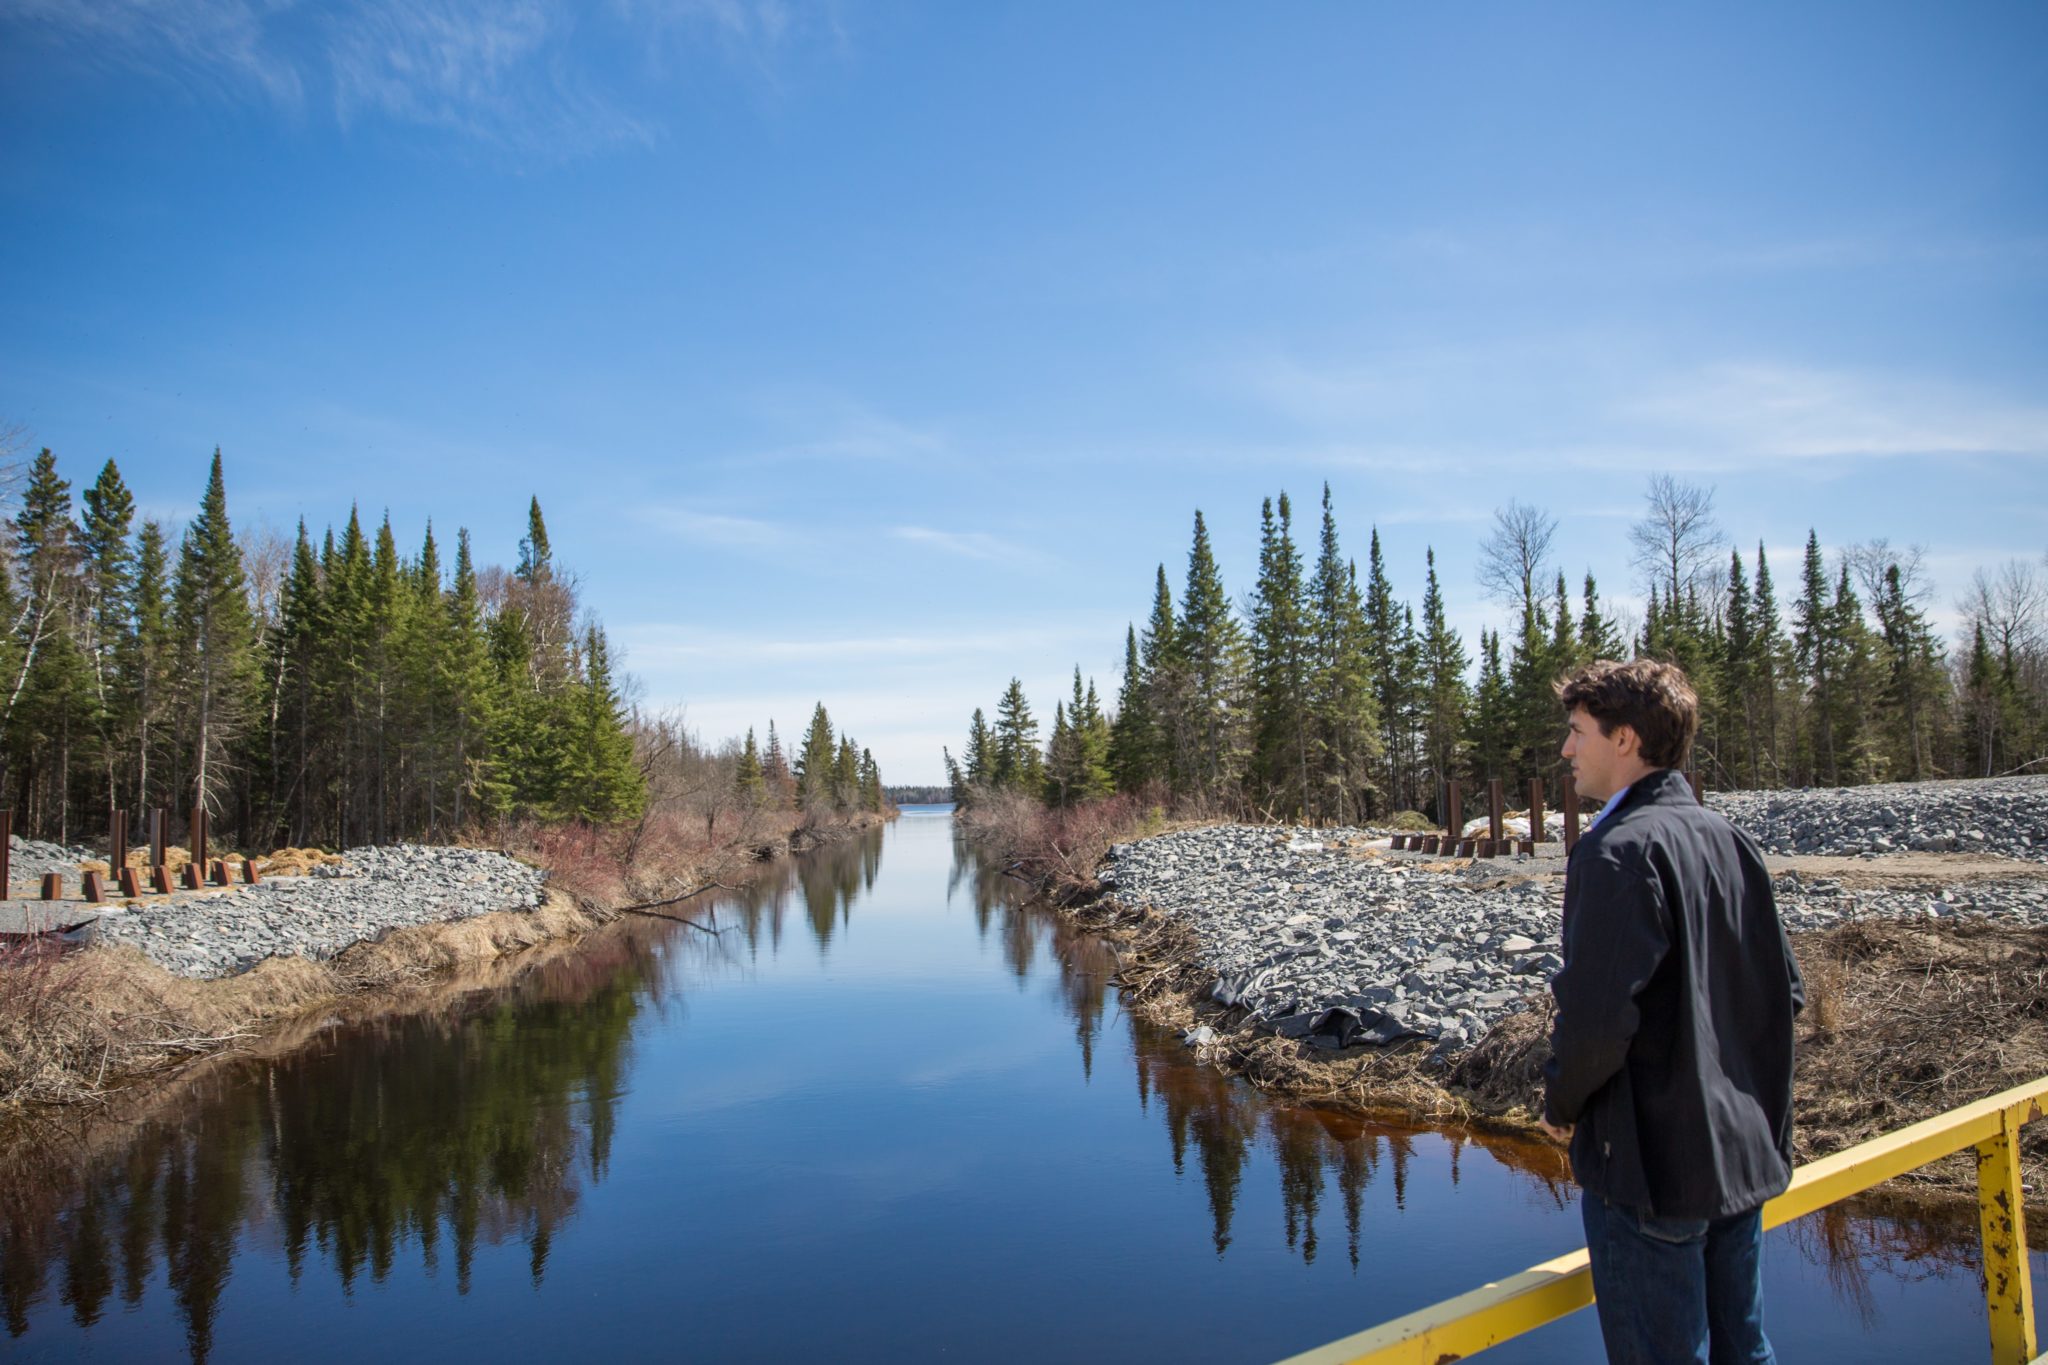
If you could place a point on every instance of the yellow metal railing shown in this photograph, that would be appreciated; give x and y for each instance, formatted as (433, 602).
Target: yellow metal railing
(1492, 1313)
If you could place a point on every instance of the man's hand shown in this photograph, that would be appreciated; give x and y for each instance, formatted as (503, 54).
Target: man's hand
(1563, 1135)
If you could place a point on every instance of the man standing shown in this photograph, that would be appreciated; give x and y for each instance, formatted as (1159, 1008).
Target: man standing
(1671, 1055)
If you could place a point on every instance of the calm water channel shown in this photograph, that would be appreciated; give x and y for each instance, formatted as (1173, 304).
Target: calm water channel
(876, 1112)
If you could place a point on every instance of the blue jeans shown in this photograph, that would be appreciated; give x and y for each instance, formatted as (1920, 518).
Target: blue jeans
(1677, 1289)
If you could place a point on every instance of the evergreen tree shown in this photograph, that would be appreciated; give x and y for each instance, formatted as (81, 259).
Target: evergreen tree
(1387, 660)
(748, 782)
(1134, 735)
(1166, 691)
(775, 771)
(1280, 652)
(1739, 671)
(1018, 764)
(109, 609)
(1599, 638)
(1210, 644)
(981, 753)
(871, 795)
(1445, 694)
(603, 783)
(1493, 730)
(1771, 657)
(153, 664)
(217, 656)
(1858, 684)
(1817, 654)
(1915, 680)
(814, 771)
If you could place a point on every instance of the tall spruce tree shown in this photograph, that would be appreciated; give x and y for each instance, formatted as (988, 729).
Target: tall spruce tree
(1211, 645)
(1282, 703)
(218, 665)
(1446, 698)
(1018, 763)
(1134, 734)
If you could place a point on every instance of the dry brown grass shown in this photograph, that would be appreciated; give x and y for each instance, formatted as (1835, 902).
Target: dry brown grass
(75, 1027)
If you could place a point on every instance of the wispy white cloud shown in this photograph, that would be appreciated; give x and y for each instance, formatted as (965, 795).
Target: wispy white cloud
(506, 73)
(1758, 411)
(834, 430)
(965, 544)
(220, 45)
(716, 528)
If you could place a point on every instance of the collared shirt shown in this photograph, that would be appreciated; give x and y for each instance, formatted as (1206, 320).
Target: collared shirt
(1612, 802)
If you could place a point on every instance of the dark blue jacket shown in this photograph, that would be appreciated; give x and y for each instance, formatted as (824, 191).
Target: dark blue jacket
(1672, 1047)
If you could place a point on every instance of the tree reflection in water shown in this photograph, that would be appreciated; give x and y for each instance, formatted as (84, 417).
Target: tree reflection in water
(477, 1120)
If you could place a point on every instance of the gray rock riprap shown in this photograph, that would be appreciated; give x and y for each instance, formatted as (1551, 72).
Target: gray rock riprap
(1294, 922)
(29, 859)
(2005, 816)
(372, 892)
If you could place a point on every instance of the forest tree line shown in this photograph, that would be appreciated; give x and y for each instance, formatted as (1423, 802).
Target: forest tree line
(1326, 696)
(335, 692)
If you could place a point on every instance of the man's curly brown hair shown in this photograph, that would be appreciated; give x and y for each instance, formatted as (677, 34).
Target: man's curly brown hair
(1653, 699)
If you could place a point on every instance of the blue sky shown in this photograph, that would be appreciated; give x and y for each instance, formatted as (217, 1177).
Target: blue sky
(875, 352)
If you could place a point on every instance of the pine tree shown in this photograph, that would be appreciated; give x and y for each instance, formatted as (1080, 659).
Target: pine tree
(110, 588)
(1134, 735)
(153, 664)
(1772, 656)
(1817, 655)
(474, 697)
(814, 762)
(1857, 686)
(1915, 680)
(1739, 669)
(218, 665)
(981, 753)
(1493, 717)
(1445, 695)
(748, 782)
(603, 783)
(776, 773)
(1599, 638)
(1281, 715)
(1018, 765)
(1166, 691)
(1210, 643)
(1386, 660)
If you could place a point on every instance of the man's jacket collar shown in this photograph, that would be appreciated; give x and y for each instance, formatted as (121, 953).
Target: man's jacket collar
(1663, 787)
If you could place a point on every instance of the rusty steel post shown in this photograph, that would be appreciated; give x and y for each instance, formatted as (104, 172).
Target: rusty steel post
(159, 836)
(160, 879)
(1496, 809)
(131, 885)
(95, 889)
(198, 839)
(191, 878)
(219, 872)
(1571, 814)
(117, 840)
(53, 886)
(249, 876)
(1536, 810)
(6, 852)
(1454, 812)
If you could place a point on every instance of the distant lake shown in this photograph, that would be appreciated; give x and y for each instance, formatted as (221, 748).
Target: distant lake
(874, 1111)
